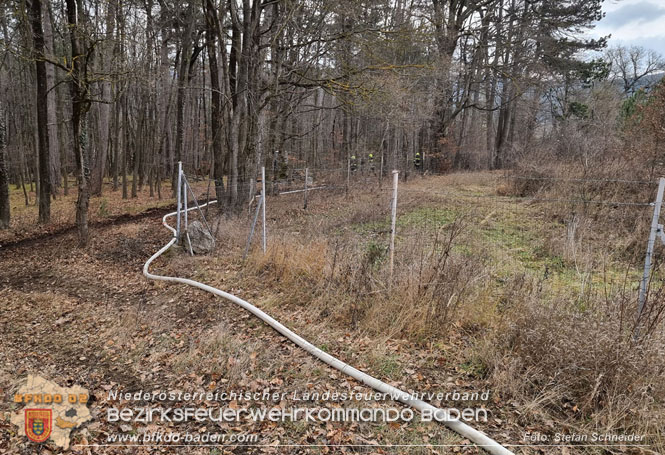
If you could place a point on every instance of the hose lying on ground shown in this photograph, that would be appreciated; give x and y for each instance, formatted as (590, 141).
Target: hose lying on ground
(464, 430)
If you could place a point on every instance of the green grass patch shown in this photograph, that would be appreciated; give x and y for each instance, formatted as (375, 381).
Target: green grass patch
(422, 218)
(427, 217)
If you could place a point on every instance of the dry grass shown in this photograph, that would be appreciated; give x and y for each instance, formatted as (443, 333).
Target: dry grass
(542, 311)
(580, 366)
(292, 264)
(595, 201)
(219, 353)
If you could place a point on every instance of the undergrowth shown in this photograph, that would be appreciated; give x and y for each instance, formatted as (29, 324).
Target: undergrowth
(545, 314)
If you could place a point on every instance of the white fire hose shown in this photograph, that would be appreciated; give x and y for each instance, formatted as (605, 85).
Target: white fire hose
(462, 429)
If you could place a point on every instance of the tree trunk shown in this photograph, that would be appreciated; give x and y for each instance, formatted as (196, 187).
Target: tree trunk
(42, 114)
(54, 145)
(116, 140)
(80, 105)
(212, 37)
(125, 145)
(183, 77)
(104, 108)
(4, 175)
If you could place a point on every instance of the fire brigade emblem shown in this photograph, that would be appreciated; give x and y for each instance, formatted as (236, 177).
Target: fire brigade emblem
(38, 424)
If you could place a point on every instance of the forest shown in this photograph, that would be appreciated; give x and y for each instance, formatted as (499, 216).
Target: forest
(106, 95)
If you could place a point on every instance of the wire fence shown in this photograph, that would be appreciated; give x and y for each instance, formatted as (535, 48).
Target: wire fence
(568, 234)
(555, 217)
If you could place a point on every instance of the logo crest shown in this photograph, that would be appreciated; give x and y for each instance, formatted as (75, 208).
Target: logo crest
(38, 424)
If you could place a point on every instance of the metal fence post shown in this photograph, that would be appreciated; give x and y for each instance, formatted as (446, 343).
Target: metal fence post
(184, 203)
(178, 206)
(251, 231)
(393, 222)
(655, 227)
(263, 207)
(183, 185)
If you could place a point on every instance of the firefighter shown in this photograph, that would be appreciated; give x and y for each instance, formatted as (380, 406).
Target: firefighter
(354, 163)
(370, 159)
(417, 161)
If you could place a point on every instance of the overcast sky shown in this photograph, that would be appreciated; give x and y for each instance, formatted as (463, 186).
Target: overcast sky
(634, 22)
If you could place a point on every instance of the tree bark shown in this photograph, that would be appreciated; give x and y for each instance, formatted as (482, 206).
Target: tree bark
(42, 114)
(103, 109)
(4, 175)
(54, 145)
(219, 158)
(183, 78)
(80, 106)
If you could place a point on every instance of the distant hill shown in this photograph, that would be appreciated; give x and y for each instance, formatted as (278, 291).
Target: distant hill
(646, 83)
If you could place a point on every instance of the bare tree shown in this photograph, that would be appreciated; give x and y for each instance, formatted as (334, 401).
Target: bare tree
(42, 112)
(51, 103)
(4, 174)
(80, 104)
(462, 82)
(631, 66)
(213, 37)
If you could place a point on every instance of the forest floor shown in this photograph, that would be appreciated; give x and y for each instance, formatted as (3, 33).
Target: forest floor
(105, 209)
(89, 317)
